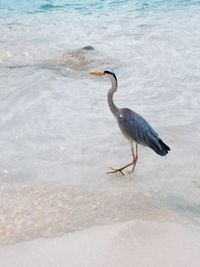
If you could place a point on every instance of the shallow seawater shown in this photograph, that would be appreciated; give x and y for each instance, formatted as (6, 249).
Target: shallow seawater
(57, 135)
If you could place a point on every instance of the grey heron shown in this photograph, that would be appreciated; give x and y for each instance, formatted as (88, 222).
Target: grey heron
(133, 126)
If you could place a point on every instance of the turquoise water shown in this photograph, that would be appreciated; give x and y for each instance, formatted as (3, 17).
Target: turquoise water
(57, 135)
(88, 7)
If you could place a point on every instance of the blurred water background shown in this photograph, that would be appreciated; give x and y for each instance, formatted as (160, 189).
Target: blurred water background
(57, 135)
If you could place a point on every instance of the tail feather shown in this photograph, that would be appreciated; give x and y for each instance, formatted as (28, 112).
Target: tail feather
(160, 147)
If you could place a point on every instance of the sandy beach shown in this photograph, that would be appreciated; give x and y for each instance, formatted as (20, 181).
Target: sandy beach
(134, 243)
(58, 137)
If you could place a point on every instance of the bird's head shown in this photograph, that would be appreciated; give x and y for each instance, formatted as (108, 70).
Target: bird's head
(108, 73)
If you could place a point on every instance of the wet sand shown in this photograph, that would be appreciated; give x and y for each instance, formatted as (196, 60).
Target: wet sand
(31, 212)
(133, 243)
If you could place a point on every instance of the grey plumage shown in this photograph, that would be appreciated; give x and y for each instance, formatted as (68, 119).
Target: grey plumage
(137, 129)
(133, 126)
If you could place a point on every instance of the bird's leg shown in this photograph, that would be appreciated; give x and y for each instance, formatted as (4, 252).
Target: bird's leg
(126, 166)
(135, 158)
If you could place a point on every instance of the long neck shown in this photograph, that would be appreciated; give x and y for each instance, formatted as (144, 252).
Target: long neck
(110, 94)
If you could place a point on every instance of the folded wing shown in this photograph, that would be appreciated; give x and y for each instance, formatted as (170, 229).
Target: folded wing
(137, 129)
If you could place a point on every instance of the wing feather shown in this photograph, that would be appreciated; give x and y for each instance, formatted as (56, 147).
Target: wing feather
(136, 128)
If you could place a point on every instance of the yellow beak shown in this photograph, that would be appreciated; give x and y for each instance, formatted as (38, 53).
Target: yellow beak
(96, 73)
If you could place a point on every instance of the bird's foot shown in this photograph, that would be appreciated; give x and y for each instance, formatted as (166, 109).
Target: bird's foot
(124, 167)
(116, 170)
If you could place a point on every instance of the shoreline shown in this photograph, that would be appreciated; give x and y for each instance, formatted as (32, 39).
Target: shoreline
(140, 243)
(56, 210)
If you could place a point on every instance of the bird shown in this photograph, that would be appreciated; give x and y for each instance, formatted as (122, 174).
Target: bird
(132, 125)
